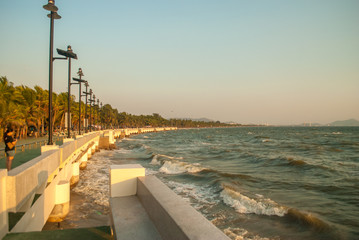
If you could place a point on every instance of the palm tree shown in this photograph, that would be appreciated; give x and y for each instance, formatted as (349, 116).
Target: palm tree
(41, 103)
(6, 97)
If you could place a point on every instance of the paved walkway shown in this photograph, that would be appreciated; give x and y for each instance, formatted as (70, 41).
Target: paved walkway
(30, 151)
(96, 233)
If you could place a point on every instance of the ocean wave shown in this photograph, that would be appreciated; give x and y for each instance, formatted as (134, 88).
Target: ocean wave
(244, 204)
(155, 160)
(94, 183)
(180, 167)
(337, 133)
(241, 234)
(307, 219)
(199, 196)
(230, 175)
(293, 162)
(169, 157)
(266, 206)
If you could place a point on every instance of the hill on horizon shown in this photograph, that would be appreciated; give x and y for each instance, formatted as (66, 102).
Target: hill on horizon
(349, 123)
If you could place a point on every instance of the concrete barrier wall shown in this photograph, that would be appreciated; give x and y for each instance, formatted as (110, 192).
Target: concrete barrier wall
(29, 178)
(172, 215)
(3, 209)
(35, 218)
(41, 176)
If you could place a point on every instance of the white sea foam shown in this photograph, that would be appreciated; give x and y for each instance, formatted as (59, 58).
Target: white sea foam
(199, 196)
(180, 167)
(149, 171)
(337, 133)
(169, 157)
(94, 181)
(155, 160)
(241, 234)
(244, 204)
(123, 151)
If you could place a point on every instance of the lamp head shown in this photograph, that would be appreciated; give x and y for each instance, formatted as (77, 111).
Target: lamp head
(80, 72)
(54, 15)
(50, 6)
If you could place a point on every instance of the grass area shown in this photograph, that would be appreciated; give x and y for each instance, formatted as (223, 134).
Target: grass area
(103, 232)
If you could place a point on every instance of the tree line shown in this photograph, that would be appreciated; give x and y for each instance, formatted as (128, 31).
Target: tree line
(26, 109)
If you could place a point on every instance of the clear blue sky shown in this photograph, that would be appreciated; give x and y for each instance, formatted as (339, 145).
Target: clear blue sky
(254, 61)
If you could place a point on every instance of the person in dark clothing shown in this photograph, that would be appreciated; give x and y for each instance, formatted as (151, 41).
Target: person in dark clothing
(9, 147)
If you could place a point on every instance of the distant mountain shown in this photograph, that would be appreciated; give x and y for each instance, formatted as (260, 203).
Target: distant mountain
(199, 119)
(349, 123)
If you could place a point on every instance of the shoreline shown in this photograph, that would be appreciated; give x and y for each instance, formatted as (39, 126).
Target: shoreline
(79, 217)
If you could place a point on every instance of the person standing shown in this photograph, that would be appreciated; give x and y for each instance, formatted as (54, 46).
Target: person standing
(9, 147)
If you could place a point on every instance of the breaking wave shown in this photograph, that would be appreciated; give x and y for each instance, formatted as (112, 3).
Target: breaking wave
(180, 167)
(307, 219)
(244, 204)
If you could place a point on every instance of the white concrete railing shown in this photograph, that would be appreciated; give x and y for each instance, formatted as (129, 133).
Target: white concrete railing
(40, 175)
(171, 215)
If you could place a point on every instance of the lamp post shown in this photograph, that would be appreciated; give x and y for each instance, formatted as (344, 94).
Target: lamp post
(100, 116)
(98, 113)
(79, 81)
(86, 117)
(90, 99)
(68, 54)
(50, 6)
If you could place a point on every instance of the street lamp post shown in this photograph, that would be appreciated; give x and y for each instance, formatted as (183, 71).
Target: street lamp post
(90, 100)
(50, 6)
(79, 81)
(68, 54)
(86, 117)
(100, 115)
(98, 112)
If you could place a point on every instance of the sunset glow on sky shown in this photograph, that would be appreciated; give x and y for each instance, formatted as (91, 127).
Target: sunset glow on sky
(276, 62)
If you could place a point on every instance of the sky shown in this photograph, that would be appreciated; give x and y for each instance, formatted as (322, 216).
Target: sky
(249, 61)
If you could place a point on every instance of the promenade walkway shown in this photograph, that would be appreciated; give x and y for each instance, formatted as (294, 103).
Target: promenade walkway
(26, 150)
(96, 233)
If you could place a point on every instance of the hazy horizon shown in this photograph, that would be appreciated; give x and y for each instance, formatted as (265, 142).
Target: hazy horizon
(274, 62)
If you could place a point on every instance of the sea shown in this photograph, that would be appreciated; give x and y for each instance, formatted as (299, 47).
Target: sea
(251, 182)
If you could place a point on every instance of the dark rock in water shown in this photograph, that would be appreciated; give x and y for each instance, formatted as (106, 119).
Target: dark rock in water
(113, 146)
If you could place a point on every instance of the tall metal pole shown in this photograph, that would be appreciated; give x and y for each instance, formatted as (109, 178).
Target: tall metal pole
(90, 100)
(50, 142)
(80, 106)
(94, 101)
(86, 117)
(98, 113)
(69, 102)
(100, 117)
